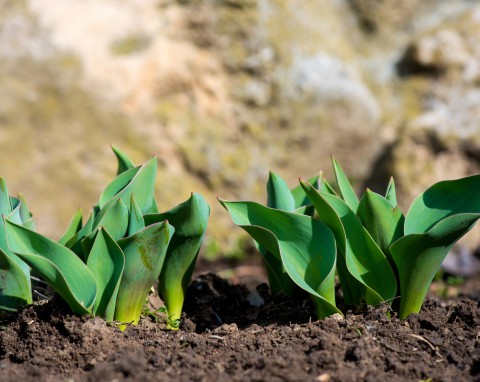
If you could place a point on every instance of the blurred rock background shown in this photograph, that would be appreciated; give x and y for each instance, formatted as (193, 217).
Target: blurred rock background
(221, 91)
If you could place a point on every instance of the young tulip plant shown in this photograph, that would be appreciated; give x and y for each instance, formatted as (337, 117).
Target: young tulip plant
(15, 283)
(279, 196)
(379, 254)
(107, 266)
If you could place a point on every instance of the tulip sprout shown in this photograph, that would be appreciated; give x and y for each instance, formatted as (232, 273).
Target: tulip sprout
(379, 254)
(15, 283)
(107, 266)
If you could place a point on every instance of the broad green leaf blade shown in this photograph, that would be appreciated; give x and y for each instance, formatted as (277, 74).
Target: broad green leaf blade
(153, 208)
(27, 217)
(135, 218)
(74, 226)
(20, 213)
(301, 199)
(5, 205)
(139, 181)
(305, 210)
(144, 256)
(363, 258)
(4, 247)
(190, 220)
(57, 265)
(327, 188)
(305, 245)
(15, 285)
(391, 194)
(278, 278)
(14, 216)
(106, 261)
(443, 199)
(120, 182)
(14, 273)
(279, 195)
(114, 218)
(346, 190)
(419, 256)
(75, 243)
(383, 221)
(353, 290)
(124, 161)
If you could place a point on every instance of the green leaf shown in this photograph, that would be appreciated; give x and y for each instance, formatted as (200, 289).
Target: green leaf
(279, 195)
(153, 209)
(125, 164)
(391, 194)
(57, 265)
(327, 188)
(114, 218)
(124, 161)
(305, 246)
(120, 182)
(301, 199)
(5, 205)
(353, 290)
(75, 243)
(15, 285)
(305, 210)
(74, 226)
(383, 221)
(363, 258)
(14, 216)
(27, 217)
(139, 181)
(346, 190)
(419, 256)
(106, 261)
(190, 221)
(278, 278)
(23, 213)
(441, 200)
(144, 256)
(135, 218)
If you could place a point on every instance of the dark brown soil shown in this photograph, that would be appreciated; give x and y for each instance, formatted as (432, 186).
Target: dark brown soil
(224, 337)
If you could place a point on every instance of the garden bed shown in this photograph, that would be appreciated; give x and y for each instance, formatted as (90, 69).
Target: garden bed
(226, 336)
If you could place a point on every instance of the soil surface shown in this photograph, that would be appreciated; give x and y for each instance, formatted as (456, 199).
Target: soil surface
(234, 333)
